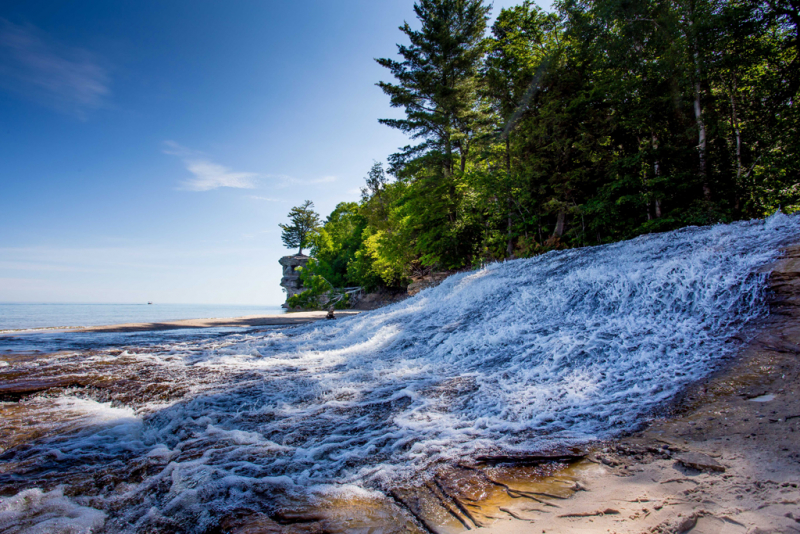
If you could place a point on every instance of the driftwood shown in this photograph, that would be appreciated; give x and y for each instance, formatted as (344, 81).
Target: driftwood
(607, 511)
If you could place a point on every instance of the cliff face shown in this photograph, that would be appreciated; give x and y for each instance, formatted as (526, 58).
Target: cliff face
(291, 276)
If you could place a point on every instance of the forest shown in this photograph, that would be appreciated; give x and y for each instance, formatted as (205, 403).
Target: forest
(598, 122)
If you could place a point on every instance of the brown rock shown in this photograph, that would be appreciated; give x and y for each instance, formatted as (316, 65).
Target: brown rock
(701, 462)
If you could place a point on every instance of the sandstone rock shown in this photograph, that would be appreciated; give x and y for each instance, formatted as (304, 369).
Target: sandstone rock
(291, 276)
(701, 462)
(423, 282)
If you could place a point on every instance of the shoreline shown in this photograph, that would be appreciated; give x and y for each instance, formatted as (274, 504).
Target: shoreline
(246, 321)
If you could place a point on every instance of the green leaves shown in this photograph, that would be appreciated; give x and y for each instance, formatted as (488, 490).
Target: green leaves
(600, 122)
(302, 221)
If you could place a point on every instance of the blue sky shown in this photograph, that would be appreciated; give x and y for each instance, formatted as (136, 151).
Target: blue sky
(148, 150)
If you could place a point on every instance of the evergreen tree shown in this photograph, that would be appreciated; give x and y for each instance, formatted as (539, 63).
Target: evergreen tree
(303, 220)
(438, 88)
(437, 79)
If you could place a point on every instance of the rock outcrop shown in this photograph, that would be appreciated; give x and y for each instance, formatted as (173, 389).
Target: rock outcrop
(291, 276)
(418, 283)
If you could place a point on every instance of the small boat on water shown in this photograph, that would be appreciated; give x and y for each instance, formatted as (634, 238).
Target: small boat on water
(149, 302)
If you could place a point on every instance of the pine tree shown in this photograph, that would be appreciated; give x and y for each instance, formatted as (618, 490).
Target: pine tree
(303, 220)
(437, 79)
(438, 88)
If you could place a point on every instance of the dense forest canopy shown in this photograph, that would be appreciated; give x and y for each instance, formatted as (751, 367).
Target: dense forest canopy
(598, 122)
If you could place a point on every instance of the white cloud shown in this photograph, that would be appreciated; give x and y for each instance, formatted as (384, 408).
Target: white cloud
(207, 174)
(70, 80)
(174, 149)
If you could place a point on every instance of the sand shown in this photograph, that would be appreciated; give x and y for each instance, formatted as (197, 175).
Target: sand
(293, 318)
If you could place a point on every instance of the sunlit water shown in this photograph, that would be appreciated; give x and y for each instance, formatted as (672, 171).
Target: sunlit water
(15, 316)
(561, 349)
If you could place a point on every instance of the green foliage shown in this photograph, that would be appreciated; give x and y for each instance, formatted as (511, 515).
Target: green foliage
(334, 245)
(303, 221)
(319, 293)
(596, 123)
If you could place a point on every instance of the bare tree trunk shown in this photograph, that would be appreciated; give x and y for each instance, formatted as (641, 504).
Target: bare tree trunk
(701, 137)
(656, 173)
(698, 115)
(560, 224)
(737, 133)
(509, 245)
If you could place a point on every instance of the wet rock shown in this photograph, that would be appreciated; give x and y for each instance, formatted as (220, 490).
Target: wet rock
(701, 462)
(687, 524)
(17, 389)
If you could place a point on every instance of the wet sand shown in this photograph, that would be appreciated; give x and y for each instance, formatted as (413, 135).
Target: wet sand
(292, 318)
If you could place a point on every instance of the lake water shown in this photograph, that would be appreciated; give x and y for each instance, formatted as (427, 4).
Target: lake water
(30, 316)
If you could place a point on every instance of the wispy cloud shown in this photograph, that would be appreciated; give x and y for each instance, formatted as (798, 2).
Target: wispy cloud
(68, 79)
(286, 181)
(207, 174)
(266, 199)
(174, 149)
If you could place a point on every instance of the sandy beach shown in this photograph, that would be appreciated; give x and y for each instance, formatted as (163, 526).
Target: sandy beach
(245, 321)
(288, 319)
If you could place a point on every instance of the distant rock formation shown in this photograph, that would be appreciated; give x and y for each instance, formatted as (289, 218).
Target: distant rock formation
(291, 277)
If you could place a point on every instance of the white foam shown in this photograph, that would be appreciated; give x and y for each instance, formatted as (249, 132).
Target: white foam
(36, 512)
(95, 412)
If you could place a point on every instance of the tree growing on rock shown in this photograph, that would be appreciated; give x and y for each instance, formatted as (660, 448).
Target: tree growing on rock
(303, 220)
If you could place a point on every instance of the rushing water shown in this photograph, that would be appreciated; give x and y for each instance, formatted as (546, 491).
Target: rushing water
(561, 349)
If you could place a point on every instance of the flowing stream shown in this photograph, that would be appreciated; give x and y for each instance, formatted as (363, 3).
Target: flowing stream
(522, 356)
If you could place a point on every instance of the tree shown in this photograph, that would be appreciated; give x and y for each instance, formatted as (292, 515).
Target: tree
(438, 79)
(335, 243)
(303, 220)
(438, 88)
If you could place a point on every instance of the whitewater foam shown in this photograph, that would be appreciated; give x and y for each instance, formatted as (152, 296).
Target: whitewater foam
(36, 512)
(525, 355)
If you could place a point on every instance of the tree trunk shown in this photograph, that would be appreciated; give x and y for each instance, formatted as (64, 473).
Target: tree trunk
(698, 112)
(560, 224)
(656, 173)
(510, 245)
(738, 135)
(701, 138)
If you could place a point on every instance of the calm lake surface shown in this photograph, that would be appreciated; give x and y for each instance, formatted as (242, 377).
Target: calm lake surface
(29, 316)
